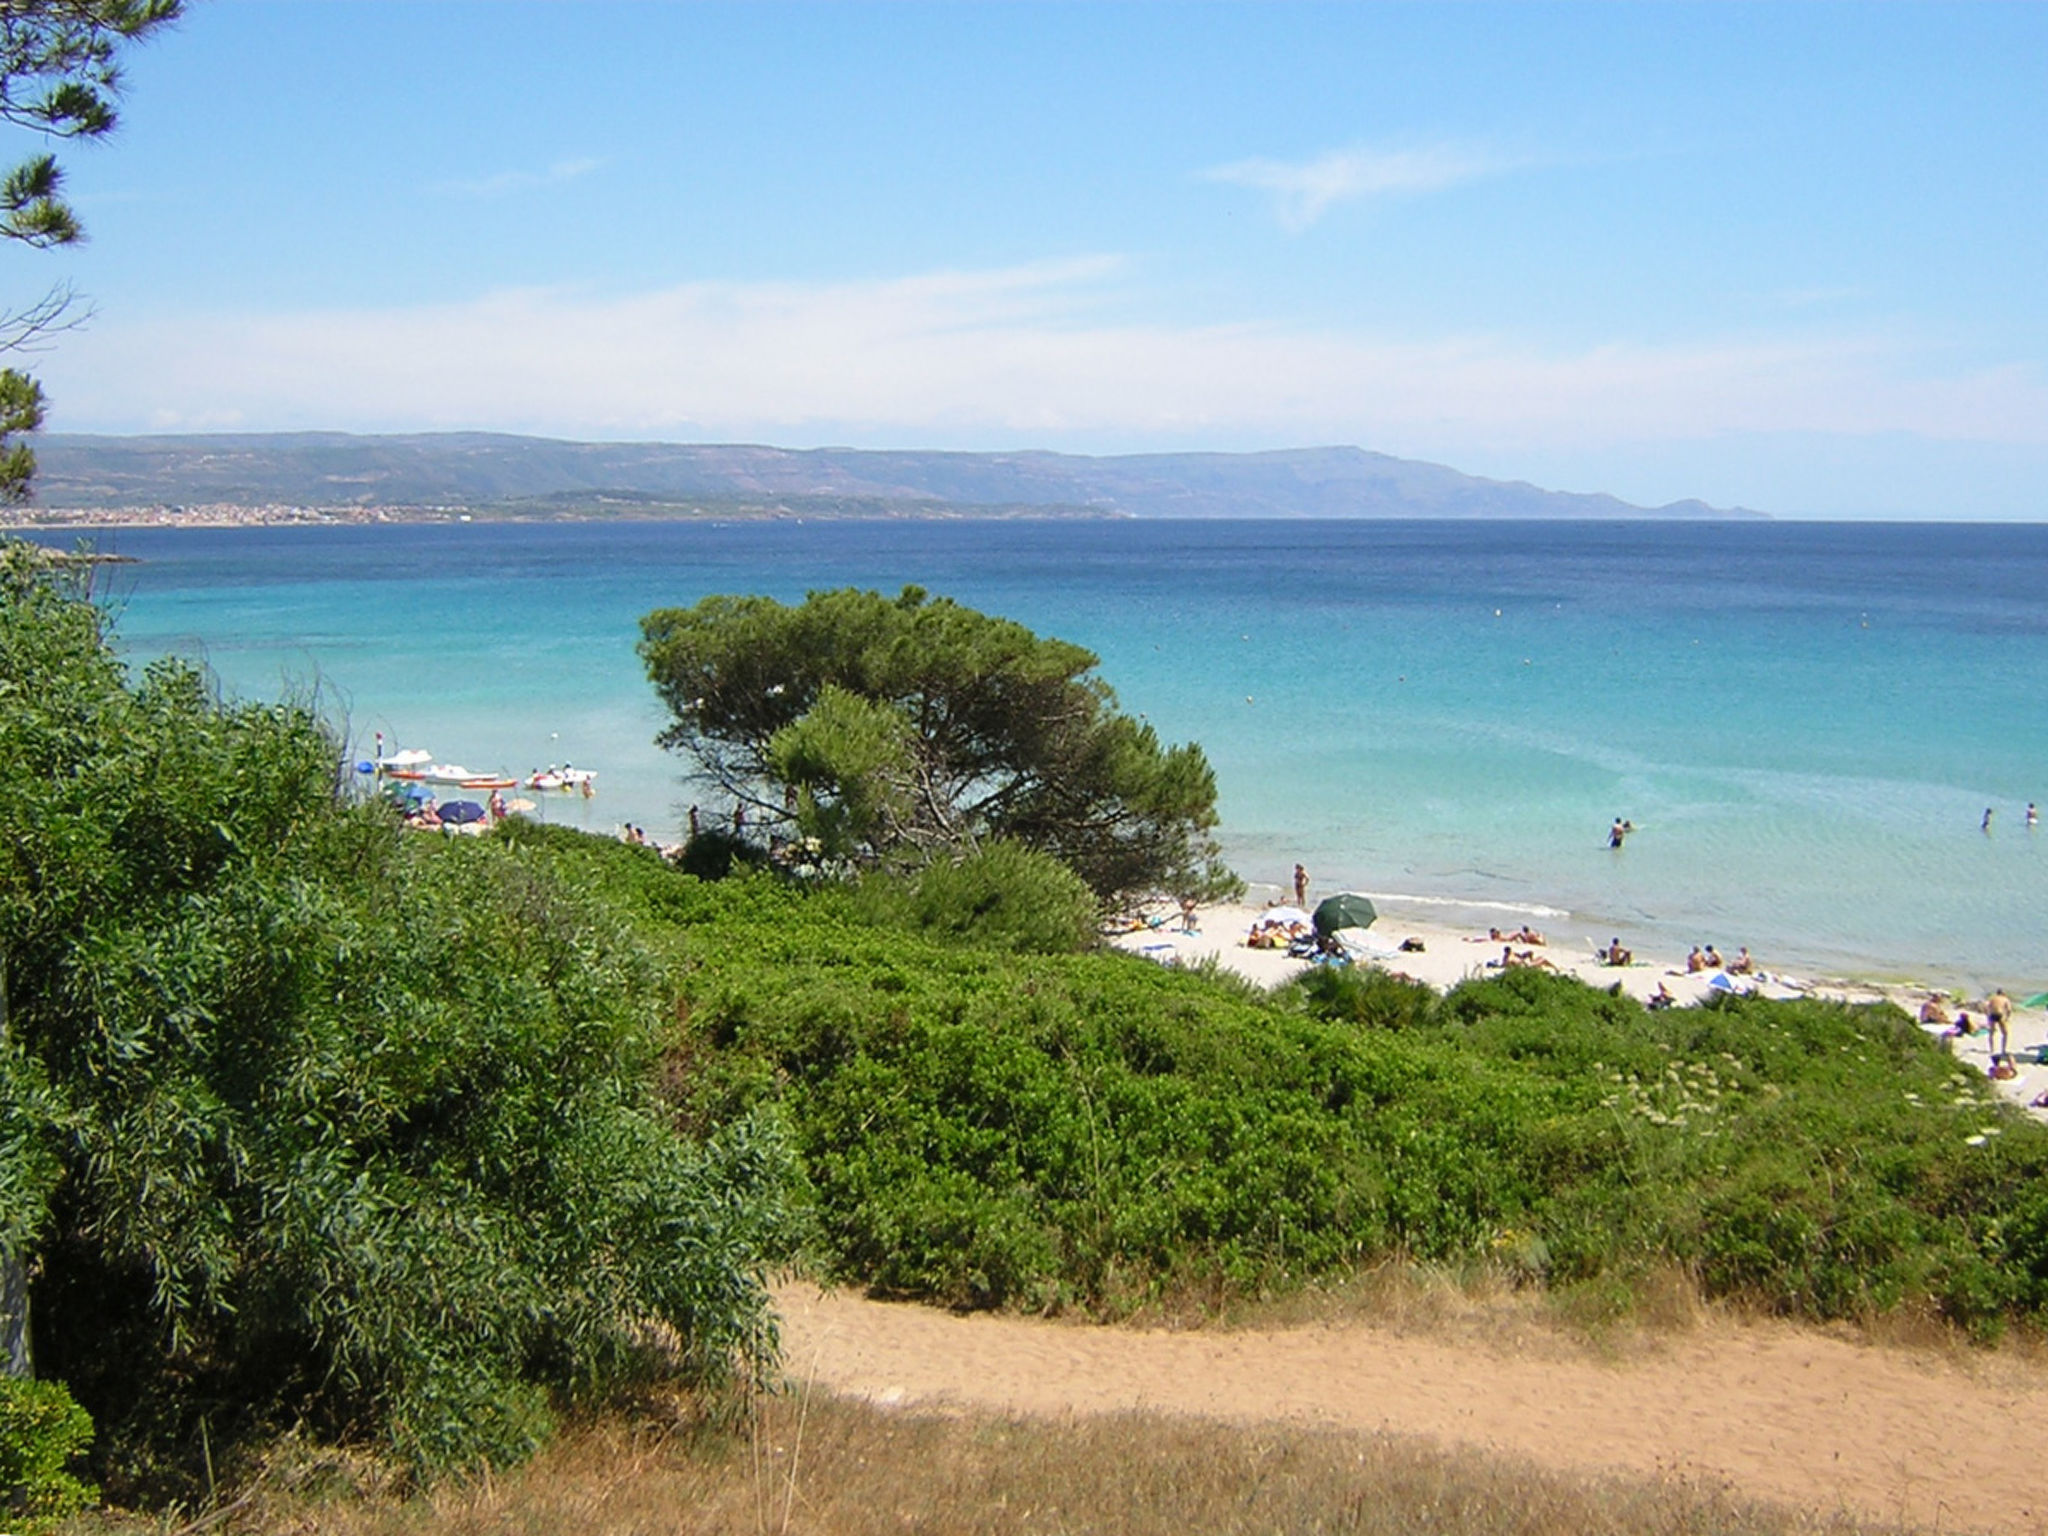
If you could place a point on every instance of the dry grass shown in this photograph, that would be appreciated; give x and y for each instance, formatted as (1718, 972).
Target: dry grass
(814, 1465)
(1486, 1306)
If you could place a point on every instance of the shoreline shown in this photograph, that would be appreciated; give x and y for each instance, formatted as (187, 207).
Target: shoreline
(1454, 952)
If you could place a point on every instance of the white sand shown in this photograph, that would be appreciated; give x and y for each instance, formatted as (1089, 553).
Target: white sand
(1451, 954)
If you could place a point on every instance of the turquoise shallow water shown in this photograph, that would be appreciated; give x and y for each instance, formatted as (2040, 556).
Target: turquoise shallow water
(1805, 722)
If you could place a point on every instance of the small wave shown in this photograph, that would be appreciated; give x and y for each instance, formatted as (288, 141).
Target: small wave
(1519, 908)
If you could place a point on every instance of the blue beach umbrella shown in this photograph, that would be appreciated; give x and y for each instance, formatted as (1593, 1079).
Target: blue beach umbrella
(457, 812)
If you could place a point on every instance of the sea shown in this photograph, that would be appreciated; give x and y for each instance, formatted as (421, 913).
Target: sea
(1807, 724)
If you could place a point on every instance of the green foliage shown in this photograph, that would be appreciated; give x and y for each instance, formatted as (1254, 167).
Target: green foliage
(853, 765)
(21, 410)
(1001, 896)
(1090, 1130)
(910, 725)
(1357, 995)
(43, 1433)
(313, 1119)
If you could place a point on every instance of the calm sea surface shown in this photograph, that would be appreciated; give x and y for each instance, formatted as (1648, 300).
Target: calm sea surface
(1805, 722)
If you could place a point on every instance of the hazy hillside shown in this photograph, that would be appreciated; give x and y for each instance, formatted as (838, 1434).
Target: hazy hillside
(475, 470)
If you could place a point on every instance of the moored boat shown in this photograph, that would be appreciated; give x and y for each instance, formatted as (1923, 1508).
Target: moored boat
(564, 777)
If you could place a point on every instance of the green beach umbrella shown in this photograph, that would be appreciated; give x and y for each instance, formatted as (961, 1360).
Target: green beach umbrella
(1344, 910)
(2038, 1000)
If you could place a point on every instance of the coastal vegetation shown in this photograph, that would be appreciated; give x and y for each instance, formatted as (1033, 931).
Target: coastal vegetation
(1086, 1131)
(892, 731)
(305, 1122)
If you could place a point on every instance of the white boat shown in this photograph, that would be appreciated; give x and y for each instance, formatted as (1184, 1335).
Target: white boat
(411, 757)
(564, 778)
(447, 773)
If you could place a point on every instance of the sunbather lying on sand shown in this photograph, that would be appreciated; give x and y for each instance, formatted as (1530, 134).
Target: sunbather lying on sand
(1271, 933)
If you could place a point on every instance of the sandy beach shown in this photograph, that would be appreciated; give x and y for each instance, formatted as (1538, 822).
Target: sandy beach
(1452, 952)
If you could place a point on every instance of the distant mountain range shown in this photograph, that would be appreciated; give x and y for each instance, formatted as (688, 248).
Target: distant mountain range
(499, 475)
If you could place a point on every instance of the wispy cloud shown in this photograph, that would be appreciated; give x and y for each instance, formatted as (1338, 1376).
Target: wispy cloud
(507, 182)
(1035, 354)
(1305, 190)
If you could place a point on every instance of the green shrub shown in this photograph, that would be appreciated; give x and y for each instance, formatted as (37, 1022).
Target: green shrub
(1001, 896)
(988, 1128)
(43, 1433)
(309, 1119)
(1361, 995)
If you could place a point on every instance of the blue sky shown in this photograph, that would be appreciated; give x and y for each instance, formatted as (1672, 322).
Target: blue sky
(1790, 257)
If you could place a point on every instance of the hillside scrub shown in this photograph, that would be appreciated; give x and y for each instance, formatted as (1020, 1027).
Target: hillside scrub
(311, 1121)
(1092, 1131)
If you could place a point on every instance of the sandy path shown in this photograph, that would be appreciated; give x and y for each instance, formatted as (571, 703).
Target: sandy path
(1779, 1414)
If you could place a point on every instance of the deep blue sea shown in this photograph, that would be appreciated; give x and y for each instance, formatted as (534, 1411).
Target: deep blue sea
(1805, 722)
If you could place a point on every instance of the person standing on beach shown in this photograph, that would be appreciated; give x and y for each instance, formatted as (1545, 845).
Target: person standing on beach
(1300, 886)
(1998, 1023)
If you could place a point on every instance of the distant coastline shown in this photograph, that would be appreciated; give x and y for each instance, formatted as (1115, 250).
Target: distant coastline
(325, 477)
(290, 515)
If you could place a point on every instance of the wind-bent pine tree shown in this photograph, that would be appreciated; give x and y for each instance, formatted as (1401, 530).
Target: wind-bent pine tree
(909, 727)
(59, 77)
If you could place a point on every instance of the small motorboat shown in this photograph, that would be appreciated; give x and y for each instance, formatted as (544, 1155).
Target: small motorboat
(439, 773)
(565, 777)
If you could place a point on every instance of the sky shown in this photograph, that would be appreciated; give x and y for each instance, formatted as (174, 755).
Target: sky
(1788, 257)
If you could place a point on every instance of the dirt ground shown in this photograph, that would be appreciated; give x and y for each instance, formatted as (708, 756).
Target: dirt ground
(1939, 1440)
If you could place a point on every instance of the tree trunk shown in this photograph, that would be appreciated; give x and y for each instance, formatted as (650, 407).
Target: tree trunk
(14, 1350)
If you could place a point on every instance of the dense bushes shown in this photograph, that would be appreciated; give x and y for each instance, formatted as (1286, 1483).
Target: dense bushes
(1090, 1130)
(309, 1120)
(1000, 896)
(42, 1433)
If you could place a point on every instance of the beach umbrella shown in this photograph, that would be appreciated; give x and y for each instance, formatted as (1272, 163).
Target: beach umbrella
(2038, 1000)
(1284, 916)
(1344, 910)
(519, 804)
(457, 812)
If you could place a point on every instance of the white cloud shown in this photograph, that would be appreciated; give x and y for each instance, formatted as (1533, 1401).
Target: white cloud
(505, 182)
(1031, 355)
(1304, 191)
